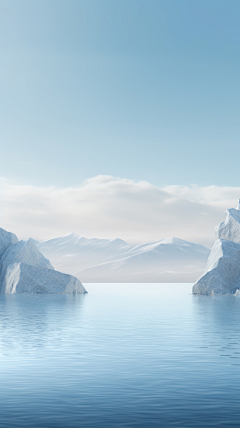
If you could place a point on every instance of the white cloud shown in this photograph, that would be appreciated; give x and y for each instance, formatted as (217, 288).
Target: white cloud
(108, 207)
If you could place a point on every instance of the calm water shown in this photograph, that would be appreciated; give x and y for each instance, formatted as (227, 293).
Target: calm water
(137, 355)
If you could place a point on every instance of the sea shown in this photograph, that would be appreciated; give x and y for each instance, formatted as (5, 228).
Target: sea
(121, 356)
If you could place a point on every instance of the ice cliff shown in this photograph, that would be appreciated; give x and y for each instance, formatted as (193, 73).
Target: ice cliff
(222, 275)
(23, 269)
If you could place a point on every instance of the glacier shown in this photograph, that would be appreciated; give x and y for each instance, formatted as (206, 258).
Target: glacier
(222, 274)
(23, 269)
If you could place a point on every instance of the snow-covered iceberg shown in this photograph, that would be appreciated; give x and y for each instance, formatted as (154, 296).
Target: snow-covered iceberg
(23, 269)
(222, 275)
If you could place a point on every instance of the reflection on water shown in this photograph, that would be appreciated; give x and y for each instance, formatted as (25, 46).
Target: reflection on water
(220, 324)
(137, 355)
(35, 321)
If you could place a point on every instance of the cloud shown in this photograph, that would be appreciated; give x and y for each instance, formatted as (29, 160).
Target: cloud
(109, 207)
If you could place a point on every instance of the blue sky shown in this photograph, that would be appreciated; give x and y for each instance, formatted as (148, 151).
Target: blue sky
(146, 90)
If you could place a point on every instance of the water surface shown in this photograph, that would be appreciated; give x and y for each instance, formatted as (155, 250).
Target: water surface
(124, 355)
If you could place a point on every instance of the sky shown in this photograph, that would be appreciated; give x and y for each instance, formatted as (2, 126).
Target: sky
(133, 91)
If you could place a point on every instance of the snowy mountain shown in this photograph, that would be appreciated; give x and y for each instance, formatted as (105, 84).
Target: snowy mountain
(104, 260)
(72, 253)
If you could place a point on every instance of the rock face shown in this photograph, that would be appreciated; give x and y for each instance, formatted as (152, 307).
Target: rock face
(222, 275)
(23, 269)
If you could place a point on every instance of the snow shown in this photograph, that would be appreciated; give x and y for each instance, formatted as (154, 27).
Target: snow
(104, 260)
(24, 269)
(222, 275)
(71, 253)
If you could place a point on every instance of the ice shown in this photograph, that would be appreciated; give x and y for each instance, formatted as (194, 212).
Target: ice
(230, 228)
(222, 275)
(23, 269)
(6, 239)
(24, 278)
(223, 270)
(27, 252)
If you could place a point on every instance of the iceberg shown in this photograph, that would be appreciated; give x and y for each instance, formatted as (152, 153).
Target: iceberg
(222, 274)
(24, 251)
(23, 269)
(24, 278)
(230, 228)
(6, 239)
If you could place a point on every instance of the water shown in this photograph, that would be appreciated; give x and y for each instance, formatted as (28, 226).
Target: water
(137, 355)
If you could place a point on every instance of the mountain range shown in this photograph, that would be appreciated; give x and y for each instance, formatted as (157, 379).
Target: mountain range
(113, 260)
